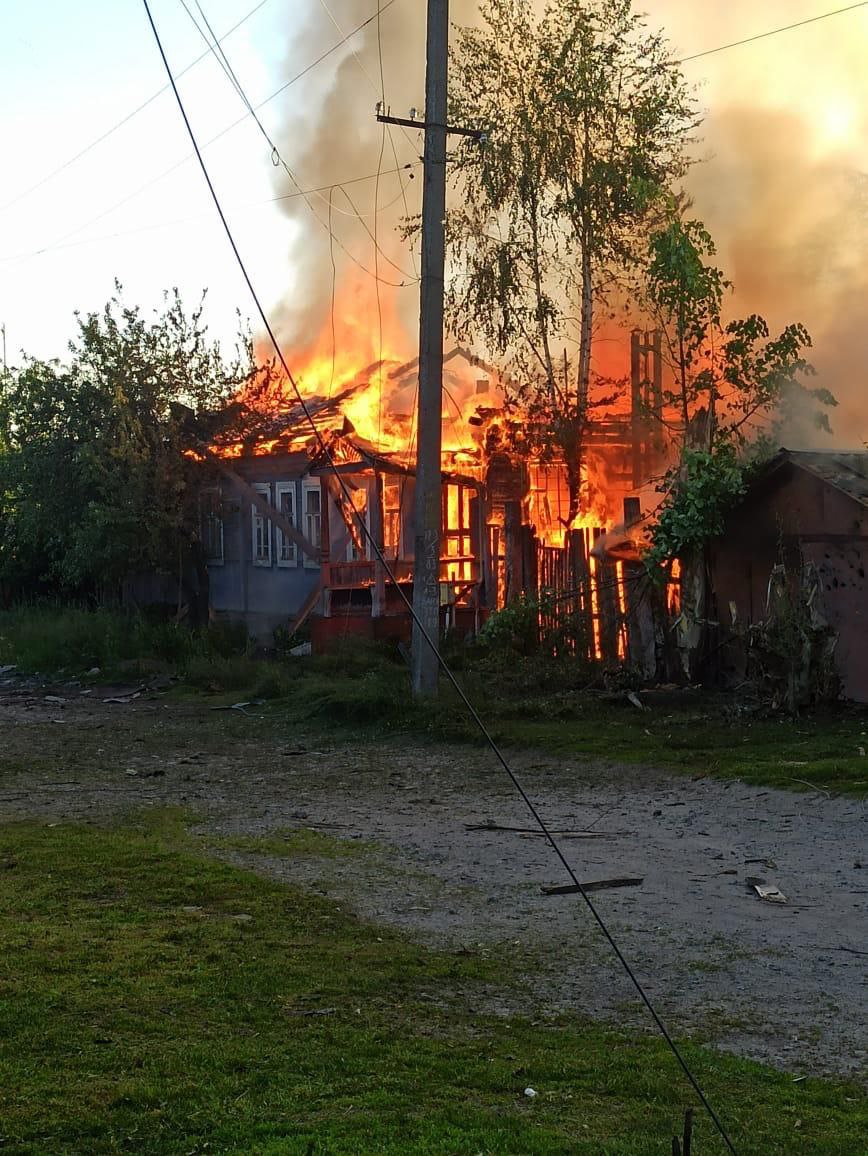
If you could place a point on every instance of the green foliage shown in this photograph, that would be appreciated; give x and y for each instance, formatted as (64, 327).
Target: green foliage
(747, 382)
(515, 627)
(791, 652)
(765, 376)
(587, 120)
(51, 638)
(700, 492)
(95, 483)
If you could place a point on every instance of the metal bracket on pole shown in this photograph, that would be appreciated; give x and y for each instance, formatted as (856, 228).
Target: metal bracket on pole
(451, 130)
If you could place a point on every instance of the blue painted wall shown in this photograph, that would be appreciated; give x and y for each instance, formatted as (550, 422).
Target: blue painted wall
(263, 594)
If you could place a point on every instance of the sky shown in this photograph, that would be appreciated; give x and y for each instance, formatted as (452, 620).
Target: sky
(784, 151)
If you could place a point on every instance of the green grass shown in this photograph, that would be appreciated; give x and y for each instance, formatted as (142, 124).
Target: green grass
(298, 841)
(51, 638)
(532, 702)
(535, 706)
(138, 1013)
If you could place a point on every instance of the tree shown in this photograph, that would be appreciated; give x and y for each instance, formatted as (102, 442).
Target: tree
(587, 121)
(732, 387)
(729, 381)
(96, 477)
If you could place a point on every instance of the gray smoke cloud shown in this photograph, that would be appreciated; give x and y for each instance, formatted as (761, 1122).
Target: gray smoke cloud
(332, 135)
(781, 184)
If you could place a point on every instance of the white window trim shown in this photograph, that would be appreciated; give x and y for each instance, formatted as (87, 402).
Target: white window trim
(281, 539)
(263, 489)
(308, 485)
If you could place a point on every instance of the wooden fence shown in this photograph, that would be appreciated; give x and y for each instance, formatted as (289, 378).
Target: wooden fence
(597, 608)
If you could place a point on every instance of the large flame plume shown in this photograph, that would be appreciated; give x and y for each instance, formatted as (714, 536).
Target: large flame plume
(780, 183)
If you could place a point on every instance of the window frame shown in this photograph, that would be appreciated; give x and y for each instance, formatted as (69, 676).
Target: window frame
(308, 486)
(212, 514)
(264, 490)
(281, 540)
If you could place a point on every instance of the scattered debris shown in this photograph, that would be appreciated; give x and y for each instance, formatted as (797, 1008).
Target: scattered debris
(242, 918)
(8, 668)
(301, 651)
(770, 863)
(536, 831)
(636, 701)
(313, 1011)
(595, 885)
(124, 699)
(812, 786)
(769, 893)
(55, 698)
(242, 706)
(530, 1093)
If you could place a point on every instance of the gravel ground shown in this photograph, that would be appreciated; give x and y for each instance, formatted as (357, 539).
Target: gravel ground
(785, 983)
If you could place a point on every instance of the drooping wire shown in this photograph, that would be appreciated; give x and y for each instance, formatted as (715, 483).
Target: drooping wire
(229, 128)
(276, 156)
(195, 217)
(772, 32)
(382, 97)
(126, 119)
(423, 633)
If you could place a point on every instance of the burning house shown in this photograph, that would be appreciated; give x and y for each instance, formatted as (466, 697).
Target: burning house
(283, 535)
(284, 543)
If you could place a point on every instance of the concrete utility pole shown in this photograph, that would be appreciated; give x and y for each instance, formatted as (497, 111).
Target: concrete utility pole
(426, 572)
(427, 512)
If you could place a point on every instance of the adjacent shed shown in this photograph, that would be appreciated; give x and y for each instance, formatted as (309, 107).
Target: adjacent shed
(804, 508)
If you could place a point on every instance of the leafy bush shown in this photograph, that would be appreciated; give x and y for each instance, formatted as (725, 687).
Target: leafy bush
(515, 627)
(49, 638)
(700, 492)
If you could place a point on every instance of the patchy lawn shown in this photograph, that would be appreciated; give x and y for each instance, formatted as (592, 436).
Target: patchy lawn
(154, 1000)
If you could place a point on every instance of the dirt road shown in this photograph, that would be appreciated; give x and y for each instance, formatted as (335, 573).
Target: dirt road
(785, 983)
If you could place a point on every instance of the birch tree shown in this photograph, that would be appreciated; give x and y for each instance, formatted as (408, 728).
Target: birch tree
(587, 122)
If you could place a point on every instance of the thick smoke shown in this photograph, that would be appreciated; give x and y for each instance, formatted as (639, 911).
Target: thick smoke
(781, 180)
(782, 183)
(332, 135)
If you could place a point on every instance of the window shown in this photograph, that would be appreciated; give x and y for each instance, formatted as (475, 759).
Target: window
(356, 515)
(211, 524)
(393, 495)
(311, 516)
(287, 551)
(261, 528)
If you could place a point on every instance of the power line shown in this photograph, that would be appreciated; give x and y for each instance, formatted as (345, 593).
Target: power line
(124, 120)
(773, 32)
(249, 205)
(444, 666)
(277, 157)
(381, 95)
(226, 129)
